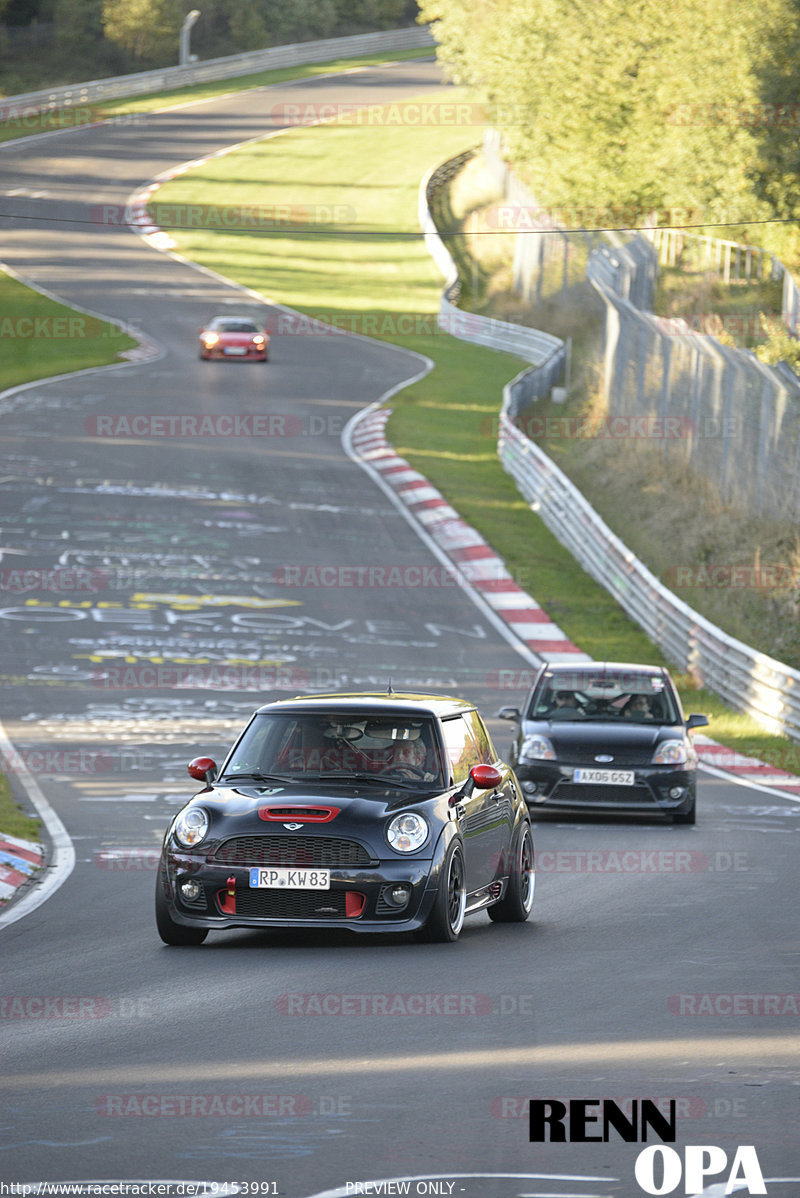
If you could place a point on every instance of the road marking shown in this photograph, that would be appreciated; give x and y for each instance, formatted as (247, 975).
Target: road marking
(756, 1050)
(136, 798)
(63, 856)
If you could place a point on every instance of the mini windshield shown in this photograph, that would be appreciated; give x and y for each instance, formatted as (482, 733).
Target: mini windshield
(630, 696)
(331, 745)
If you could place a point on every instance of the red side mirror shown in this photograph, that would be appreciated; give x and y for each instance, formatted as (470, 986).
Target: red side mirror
(485, 777)
(201, 768)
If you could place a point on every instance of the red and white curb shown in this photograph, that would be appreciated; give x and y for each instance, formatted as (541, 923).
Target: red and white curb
(480, 567)
(473, 559)
(748, 770)
(19, 861)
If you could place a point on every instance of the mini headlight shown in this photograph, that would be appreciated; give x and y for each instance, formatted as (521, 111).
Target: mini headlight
(671, 752)
(191, 826)
(407, 832)
(537, 748)
(259, 340)
(210, 339)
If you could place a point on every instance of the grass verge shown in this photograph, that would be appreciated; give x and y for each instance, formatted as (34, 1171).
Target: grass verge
(21, 124)
(13, 820)
(41, 337)
(371, 274)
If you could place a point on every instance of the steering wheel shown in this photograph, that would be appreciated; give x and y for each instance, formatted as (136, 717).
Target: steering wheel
(408, 767)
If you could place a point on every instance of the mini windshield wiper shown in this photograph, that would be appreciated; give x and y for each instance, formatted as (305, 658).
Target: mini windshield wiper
(259, 777)
(387, 783)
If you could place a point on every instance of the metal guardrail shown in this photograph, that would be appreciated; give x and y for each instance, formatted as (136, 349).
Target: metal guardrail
(749, 681)
(213, 69)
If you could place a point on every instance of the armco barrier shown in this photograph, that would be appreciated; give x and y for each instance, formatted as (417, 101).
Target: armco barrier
(145, 82)
(749, 681)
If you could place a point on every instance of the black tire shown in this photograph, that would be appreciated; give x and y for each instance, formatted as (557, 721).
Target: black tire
(686, 817)
(517, 903)
(170, 931)
(447, 917)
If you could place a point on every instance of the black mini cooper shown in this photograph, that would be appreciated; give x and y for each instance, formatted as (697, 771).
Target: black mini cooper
(371, 812)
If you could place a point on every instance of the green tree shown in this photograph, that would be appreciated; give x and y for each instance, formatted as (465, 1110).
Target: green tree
(371, 14)
(620, 105)
(147, 29)
(775, 173)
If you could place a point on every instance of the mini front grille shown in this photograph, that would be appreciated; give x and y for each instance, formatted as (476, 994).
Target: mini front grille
(291, 904)
(326, 851)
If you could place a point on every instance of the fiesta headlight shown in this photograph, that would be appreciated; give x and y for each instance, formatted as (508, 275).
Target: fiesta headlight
(190, 827)
(671, 752)
(408, 832)
(537, 748)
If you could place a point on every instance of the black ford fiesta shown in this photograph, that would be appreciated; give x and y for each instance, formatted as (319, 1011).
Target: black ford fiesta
(606, 737)
(375, 813)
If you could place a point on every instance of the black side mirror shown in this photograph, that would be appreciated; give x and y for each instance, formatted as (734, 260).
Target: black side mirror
(696, 721)
(509, 713)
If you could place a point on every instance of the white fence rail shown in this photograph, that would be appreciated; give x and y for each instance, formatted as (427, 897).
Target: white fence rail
(732, 262)
(273, 58)
(749, 681)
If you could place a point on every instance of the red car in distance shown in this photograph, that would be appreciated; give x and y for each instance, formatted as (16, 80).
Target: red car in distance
(234, 337)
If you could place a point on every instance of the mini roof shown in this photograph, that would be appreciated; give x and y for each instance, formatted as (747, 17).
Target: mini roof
(378, 702)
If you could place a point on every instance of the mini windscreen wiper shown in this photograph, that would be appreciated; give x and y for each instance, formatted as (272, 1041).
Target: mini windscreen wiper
(382, 780)
(259, 777)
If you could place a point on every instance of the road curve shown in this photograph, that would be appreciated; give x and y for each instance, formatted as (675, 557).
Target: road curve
(661, 962)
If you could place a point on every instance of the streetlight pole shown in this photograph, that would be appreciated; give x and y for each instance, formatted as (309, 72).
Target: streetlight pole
(186, 29)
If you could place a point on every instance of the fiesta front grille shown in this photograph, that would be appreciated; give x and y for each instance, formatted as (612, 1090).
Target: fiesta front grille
(586, 795)
(326, 851)
(291, 904)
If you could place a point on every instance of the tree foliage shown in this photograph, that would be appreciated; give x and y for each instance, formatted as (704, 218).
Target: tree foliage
(47, 42)
(635, 103)
(143, 27)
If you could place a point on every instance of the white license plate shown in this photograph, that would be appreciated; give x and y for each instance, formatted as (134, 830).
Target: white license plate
(235, 349)
(290, 879)
(604, 777)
